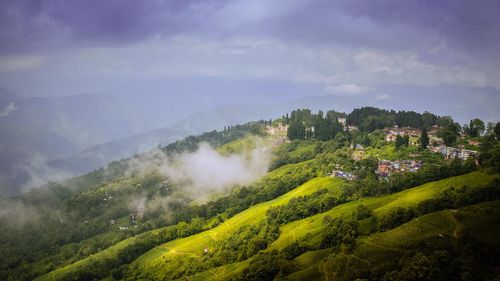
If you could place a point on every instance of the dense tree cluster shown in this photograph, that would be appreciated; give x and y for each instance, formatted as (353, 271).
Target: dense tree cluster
(242, 244)
(305, 125)
(302, 207)
(368, 119)
(339, 234)
(475, 128)
(489, 156)
(216, 138)
(267, 266)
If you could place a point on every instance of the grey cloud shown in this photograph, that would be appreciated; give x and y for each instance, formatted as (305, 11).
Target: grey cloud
(55, 24)
(473, 25)
(385, 24)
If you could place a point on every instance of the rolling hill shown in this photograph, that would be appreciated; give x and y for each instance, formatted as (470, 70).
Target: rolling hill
(198, 209)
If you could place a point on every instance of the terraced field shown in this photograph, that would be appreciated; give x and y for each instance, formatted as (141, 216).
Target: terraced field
(427, 227)
(257, 213)
(308, 230)
(193, 246)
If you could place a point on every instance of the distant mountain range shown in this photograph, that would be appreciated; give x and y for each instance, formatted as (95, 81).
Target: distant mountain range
(59, 137)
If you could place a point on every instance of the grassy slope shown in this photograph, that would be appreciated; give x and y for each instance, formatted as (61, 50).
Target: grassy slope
(480, 220)
(310, 229)
(312, 226)
(112, 251)
(244, 144)
(193, 246)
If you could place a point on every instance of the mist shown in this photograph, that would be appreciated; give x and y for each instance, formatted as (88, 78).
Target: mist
(206, 170)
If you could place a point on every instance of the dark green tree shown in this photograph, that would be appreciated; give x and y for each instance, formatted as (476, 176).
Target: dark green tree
(406, 139)
(400, 141)
(296, 131)
(424, 139)
(476, 127)
(428, 119)
(448, 136)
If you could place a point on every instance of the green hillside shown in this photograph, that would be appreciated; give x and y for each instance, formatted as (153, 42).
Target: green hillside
(310, 229)
(326, 205)
(194, 245)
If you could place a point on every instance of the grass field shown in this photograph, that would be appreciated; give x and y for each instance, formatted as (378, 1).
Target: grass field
(480, 221)
(193, 246)
(312, 226)
(245, 144)
(113, 251)
(309, 229)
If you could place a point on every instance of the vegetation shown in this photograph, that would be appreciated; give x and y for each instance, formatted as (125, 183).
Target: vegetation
(295, 223)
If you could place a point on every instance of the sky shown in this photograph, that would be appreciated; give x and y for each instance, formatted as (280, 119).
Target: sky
(344, 47)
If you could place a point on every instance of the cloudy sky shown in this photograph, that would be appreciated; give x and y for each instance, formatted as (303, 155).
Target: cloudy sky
(346, 47)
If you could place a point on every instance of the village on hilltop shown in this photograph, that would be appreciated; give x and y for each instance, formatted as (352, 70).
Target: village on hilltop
(385, 167)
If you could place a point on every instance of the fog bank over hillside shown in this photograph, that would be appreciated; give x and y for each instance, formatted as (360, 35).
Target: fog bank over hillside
(205, 170)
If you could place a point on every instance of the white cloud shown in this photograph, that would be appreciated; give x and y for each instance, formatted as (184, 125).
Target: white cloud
(8, 109)
(206, 170)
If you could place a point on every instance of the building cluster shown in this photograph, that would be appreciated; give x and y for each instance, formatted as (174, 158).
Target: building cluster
(393, 133)
(386, 168)
(343, 175)
(280, 129)
(454, 153)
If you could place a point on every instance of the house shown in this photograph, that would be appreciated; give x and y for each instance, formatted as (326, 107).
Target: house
(356, 146)
(352, 128)
(386, 168)
(433, 131)
(474, 143)
(282, 128)
(454, 153)
(466, 154)
(342, 120)
(271, 130)
(438, 149)
(279, 129)
(343, 175)
(391, 134)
